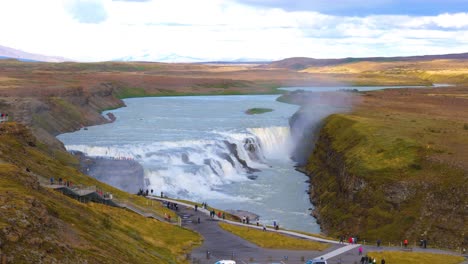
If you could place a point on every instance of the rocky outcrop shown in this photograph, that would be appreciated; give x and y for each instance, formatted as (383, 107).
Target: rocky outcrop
(58, 112)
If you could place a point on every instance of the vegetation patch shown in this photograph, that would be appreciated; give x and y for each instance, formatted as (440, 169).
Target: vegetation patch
(414, 257)
(129, 92)
(273, 240)
(74, 231)
(256, 111)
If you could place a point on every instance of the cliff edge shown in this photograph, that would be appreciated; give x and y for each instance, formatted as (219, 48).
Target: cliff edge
(395, 168)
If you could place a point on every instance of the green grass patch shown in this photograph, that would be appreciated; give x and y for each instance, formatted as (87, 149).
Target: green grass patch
(256, 111)
(415, 257)
(273, 240)
(372, 147)
(130, 92)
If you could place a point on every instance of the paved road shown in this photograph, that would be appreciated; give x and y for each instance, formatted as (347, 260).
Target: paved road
(224, 245)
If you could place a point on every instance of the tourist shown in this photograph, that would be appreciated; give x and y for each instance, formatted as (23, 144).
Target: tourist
(363, 259)
(360, 250)
(405, 243)
(51, 180)
(341, 239)
(378, 242)
(224, 216)
(264, 227)
(196, 207)
(382, 261)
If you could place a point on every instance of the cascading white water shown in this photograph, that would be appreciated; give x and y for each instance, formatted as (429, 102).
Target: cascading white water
(275, 142)
(194, 169)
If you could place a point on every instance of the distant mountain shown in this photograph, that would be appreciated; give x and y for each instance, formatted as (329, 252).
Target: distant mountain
(299, 63)
(10, 53)
(175, 58)
(170, 58)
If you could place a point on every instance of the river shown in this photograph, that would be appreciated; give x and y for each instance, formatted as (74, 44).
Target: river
(206, 149)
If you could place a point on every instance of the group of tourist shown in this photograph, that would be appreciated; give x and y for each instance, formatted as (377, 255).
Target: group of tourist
(351, 239)
(145, 193)
(172, 206)
(370, 260)
(61, 182)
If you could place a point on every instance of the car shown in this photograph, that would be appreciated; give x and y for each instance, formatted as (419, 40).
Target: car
(225, 262)
(316, 261)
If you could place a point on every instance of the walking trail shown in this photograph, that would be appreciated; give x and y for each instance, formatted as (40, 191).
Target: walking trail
(220, 244)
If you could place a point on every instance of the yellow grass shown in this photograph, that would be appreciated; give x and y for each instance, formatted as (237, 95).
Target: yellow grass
(415, 257)
(272, 240)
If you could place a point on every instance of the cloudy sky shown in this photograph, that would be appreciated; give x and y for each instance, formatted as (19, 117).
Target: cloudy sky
(97, 30)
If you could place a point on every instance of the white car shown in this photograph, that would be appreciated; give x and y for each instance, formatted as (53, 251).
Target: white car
(316, 261)
(225, 262)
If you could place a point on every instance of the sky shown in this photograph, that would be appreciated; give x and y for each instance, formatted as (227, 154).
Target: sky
(100, 30)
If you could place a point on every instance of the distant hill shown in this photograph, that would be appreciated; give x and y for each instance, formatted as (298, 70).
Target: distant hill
(300, 63)
(10, 53)
(176, 58)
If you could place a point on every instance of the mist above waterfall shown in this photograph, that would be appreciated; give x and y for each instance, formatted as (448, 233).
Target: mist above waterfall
(305, 123)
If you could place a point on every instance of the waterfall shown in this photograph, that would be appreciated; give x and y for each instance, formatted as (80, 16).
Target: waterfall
(274, 141)
(193, 169)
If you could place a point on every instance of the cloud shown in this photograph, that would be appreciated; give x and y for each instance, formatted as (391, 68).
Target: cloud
(87, 11)
(365, 7)
(220, 30)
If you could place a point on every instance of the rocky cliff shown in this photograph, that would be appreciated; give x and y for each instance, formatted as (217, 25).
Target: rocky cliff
(375, 187)
(394, 168)
(58, 111)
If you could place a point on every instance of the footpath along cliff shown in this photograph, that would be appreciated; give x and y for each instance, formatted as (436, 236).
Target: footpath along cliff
(395, 168)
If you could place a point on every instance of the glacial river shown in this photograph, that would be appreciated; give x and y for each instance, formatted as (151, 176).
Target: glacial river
(206, 149)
